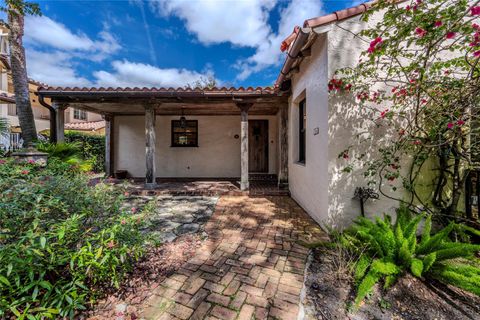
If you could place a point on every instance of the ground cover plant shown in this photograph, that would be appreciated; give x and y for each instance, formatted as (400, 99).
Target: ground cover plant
(61, 242)
(390, 250)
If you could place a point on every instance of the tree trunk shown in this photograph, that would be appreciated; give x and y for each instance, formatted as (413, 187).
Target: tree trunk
(20, 79)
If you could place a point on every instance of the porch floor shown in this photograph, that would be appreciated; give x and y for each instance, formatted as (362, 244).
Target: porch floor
(260, 185)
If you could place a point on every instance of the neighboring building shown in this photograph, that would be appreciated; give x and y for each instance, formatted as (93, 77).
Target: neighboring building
(41, 114)
(295, 130)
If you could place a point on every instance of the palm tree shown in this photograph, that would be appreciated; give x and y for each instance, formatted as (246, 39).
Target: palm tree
(16, 11)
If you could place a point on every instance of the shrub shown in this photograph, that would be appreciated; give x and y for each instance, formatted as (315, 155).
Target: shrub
(393, 249)
(68, 152)
(92, 147)
(61, 241)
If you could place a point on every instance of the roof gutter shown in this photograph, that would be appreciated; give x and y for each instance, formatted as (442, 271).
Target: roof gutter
(53, 116)
(292, 54)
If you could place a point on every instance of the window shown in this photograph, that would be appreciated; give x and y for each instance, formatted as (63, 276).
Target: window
(302, 117)
(185, 136)
(79, 114)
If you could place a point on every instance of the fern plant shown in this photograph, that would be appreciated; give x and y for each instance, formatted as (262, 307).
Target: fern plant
(394, 249)
(69, 152)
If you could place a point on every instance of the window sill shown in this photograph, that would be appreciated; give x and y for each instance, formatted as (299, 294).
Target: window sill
(173, 146)
(300, 163)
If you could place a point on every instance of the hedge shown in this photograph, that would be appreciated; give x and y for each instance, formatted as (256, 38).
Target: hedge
(93, 146)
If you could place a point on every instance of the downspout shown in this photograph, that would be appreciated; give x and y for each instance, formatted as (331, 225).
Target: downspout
(293, 54)
(53, 116)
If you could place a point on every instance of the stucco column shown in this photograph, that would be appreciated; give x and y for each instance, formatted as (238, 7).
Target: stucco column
(59, 120)
(283, 127)
(109, 122)
(150, 146)
(244, 183)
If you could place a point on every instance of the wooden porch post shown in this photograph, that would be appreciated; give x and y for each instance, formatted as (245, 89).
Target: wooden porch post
(59, 120)
(150, 146)
(109, 125)
(283, 170)
(244, 184)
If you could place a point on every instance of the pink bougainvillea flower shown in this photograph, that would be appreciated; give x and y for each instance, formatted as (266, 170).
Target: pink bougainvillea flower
(348, 87)
(25, 172)
(420, 32)
(460, 122)
(450, 35)
(126, 194)
(401, 132)
(408, 8)
(475, 11)
(383, 113)
(374, 44)
(31, 161)
(450, 125)
(391, 178)
(476, 54)
(134, 210)
(475, 26)
(123, 221)
(438, 23)
(417, 142)
(2, 161)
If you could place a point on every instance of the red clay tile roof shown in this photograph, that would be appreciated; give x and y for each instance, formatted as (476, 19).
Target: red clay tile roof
(85, 126)
(309, 24)
(7, 98)
(159, 90)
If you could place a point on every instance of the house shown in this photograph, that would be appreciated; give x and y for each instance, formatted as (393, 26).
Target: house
(294, 130)
(8, 110)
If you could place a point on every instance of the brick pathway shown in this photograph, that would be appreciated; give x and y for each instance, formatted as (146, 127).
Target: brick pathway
(249, 268)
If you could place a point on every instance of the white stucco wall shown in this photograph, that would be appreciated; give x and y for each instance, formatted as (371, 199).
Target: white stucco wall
(321, 187)
(309, 182)
(218, 153)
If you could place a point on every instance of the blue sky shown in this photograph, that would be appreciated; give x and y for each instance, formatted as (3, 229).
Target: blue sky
(163, 43)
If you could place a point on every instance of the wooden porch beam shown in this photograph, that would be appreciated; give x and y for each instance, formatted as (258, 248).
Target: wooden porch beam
(283, 127)
(109, 148)
(150, 138)
(244, 107)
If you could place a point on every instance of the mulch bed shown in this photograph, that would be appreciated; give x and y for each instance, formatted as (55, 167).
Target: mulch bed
(157, 264)
(329, 295)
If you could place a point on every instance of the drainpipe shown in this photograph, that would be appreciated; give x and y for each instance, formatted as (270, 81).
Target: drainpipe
(53, 115)
(293, 54)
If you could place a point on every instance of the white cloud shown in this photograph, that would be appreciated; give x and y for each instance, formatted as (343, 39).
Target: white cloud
(53, 50)
(53, 69)
(242, 23)
(268, 52)
(130, 74)
(43, 31)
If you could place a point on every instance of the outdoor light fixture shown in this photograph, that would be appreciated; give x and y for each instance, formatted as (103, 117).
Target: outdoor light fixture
(363, 194)
(183, 120)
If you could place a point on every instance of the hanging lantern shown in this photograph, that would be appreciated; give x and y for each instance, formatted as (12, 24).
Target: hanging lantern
(183, 120)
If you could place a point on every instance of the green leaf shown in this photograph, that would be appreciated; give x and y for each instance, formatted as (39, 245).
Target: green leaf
(416, 267)
(43, 242)
(5, 281)
(9, 269)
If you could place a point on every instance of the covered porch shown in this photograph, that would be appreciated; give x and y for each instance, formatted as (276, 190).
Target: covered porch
(161, 134)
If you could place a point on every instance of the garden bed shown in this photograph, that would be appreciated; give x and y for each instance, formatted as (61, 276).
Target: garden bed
(330, 292)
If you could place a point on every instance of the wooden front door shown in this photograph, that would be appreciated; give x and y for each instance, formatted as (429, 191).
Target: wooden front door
(258, 146)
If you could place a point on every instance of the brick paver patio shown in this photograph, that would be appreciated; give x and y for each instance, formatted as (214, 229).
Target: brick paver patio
(251, 266)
